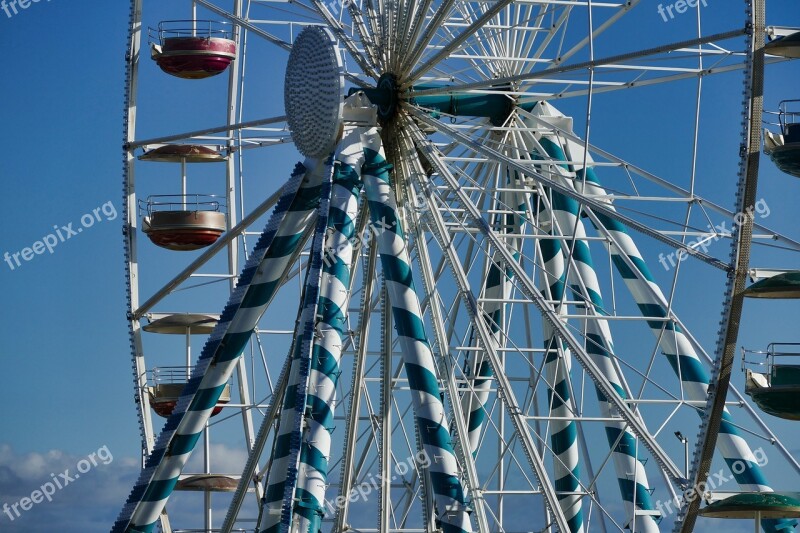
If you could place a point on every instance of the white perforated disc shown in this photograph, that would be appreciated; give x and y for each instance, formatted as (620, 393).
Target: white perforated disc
(313, 91)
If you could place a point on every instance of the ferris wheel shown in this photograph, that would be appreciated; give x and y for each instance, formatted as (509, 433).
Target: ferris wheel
(460, 310)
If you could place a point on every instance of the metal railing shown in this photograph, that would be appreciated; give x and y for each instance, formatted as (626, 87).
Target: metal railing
(768, 360)
(166, 375)
(181, 202)
(788, 114)
(206, 29)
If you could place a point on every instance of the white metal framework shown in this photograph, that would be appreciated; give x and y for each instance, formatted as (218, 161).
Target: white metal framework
(553, 223)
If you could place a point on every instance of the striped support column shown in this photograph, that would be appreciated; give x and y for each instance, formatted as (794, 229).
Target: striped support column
(674, 343)
(681, 354)
(496, 287)
(431, 420)
(478, 371)
(334, 299)
(261, 276)
(631, 475)
(558, 362)
(282, 479)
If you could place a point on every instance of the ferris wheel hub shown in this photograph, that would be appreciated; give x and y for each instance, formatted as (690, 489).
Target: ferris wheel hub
(387, 84)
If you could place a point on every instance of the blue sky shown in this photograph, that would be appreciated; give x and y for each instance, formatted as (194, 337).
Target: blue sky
(66, 387)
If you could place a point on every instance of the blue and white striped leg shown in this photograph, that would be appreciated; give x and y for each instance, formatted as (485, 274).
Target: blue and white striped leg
(558, 363)
(496, 288)
(681, 355)
(631, 476)
(278, 503)
(334, 299)
(673, 342)
(431, 419)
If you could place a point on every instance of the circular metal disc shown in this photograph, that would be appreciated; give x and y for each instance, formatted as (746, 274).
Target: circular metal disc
(314, 91)
(175, 153)
(178, 324)
(752, 504)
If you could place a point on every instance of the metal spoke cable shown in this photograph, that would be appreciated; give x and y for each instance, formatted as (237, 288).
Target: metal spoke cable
(529, 289)
(578, 66)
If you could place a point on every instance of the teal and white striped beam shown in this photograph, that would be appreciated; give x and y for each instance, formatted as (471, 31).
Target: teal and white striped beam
(412, 166)
(334, 299)
(683, 359)
(496, 290)
(673, 341)
(282, 478)
(565, 221)
(431, 418)
(558, 364)
(514, 410)
(267, 267)
(631, 475)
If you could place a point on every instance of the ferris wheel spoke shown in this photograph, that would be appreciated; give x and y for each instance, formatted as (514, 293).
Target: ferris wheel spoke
(245, 24)
(528, 22)
(366, 65)
(365, 34)
(597, 206)
(406, 16)
(601, 87)
(206, 131)
(623, 10)
(392, 12)
(285, 45)
(455, 42)
(593, 64)
(416, 22)
(529, 289)
(475, 65)
(488, 42)
(507, 394)
(549, 35)
(442, 12)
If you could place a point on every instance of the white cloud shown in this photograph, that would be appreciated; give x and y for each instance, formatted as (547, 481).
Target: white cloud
(93, 500)
(90, 502)
(224, 459)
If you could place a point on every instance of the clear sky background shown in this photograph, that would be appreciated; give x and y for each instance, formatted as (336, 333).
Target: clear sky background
(65, 386)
